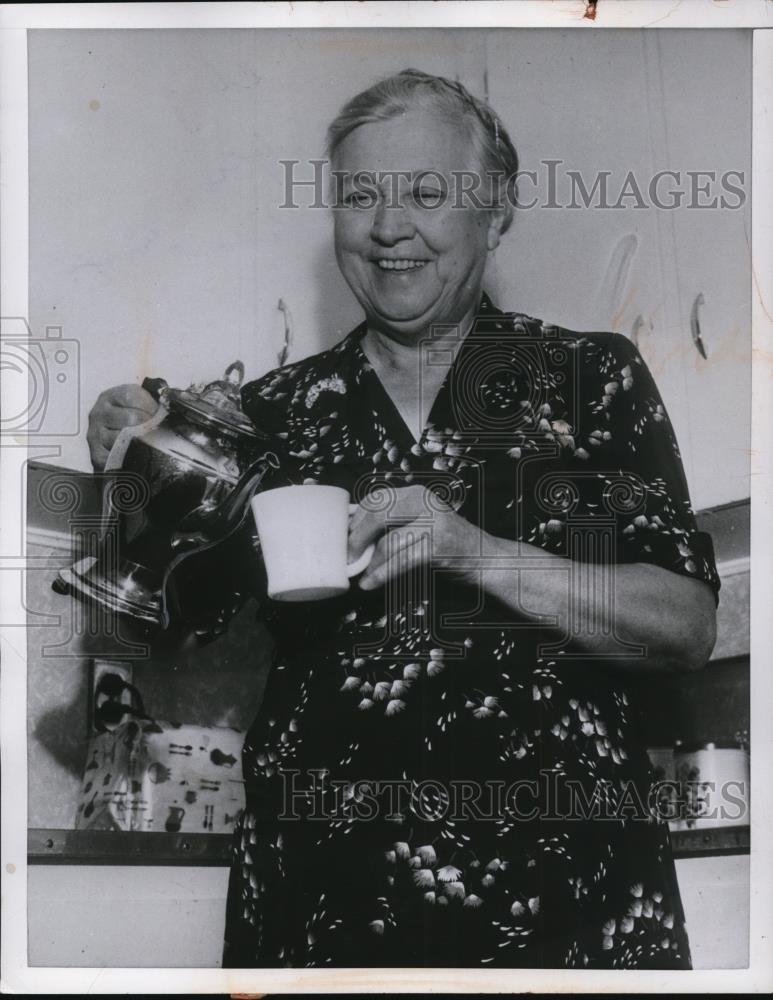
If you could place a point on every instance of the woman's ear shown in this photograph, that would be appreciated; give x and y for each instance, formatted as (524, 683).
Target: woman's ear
(497, 225)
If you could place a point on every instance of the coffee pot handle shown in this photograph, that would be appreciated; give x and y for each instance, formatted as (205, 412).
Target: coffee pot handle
(237, 367)
(155, 386)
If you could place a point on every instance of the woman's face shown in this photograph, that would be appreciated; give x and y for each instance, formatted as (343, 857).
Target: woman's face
(410, 259)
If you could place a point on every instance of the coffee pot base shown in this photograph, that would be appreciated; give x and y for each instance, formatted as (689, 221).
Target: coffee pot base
(131, 592)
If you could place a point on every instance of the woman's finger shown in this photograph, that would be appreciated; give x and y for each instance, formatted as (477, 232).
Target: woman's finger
(396, 553)
(132, 397)
(118, 417)
(365, 526)
(106, 438)
(99, 450)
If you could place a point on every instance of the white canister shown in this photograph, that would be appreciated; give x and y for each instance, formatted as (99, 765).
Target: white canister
(713, 781)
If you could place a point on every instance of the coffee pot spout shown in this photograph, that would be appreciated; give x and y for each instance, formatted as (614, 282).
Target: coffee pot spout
(209, 525)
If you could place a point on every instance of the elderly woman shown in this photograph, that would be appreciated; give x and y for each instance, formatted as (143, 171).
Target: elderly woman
(447, 768)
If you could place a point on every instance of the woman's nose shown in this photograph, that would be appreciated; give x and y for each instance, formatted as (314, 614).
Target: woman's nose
(391, 223)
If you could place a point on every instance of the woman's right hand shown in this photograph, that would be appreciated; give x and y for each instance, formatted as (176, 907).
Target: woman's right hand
(116, 408)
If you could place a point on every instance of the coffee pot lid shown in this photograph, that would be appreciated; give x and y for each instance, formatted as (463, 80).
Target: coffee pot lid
(217, 404)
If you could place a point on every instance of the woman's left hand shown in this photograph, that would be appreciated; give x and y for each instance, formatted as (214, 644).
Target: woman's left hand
(417, 528)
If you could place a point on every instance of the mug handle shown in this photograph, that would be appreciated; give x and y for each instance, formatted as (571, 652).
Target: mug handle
(361, 564)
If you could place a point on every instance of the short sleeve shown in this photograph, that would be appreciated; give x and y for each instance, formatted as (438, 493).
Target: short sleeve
(265, 401)
(626, 428)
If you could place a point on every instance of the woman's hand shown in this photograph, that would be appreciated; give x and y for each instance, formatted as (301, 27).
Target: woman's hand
(418, 527)
(116, 408)
(668, 616)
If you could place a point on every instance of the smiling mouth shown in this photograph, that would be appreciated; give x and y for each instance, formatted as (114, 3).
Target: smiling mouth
(402, 264)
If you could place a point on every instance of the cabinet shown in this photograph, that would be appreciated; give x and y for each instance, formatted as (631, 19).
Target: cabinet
(633, 104)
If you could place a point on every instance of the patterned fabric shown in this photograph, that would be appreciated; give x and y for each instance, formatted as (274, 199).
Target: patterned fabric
(398, 776)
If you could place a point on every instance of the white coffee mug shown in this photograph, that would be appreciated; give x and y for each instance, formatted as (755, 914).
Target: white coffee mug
(303, 533)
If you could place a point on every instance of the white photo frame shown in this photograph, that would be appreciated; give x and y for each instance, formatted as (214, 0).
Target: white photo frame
(573, 16)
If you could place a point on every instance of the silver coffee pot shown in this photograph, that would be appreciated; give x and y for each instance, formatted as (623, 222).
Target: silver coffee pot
(185, 550)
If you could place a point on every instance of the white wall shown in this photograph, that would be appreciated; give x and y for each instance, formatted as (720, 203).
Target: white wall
(156, 238)
(174, 917)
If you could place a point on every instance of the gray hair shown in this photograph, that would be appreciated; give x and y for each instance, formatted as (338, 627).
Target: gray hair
(411, 88)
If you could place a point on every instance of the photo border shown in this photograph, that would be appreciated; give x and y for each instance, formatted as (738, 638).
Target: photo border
(15, 20)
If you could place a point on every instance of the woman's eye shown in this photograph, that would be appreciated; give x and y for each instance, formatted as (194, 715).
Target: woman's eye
(359, 199)
(427, 197)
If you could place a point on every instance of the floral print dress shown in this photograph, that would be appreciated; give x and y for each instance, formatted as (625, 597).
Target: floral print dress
(431, 781)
